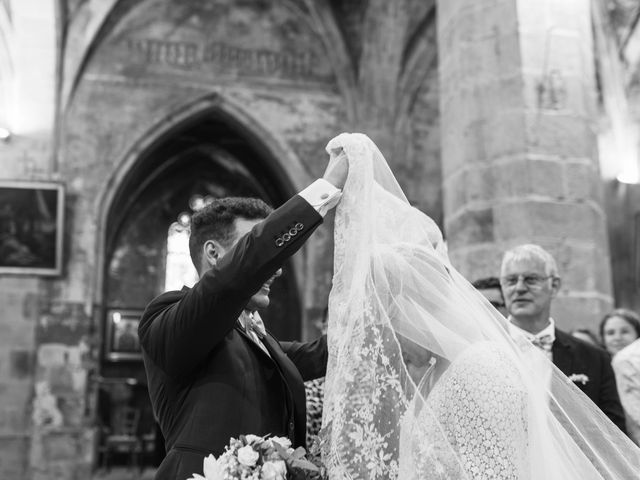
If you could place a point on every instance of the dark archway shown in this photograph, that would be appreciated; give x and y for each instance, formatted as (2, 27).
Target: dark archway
(210, 155)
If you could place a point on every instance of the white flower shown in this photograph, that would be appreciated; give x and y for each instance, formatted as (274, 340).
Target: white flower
(253, 438)
(213, 469)
(283, 441)
(247, 456)
(579, 377)
(274, 470)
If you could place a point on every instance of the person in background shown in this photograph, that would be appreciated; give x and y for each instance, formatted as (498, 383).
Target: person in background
(491, 289)
(530, 281)
(626, 365)
(586, 335)
(619, 328)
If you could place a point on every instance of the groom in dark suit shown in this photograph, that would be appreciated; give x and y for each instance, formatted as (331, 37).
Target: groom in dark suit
(213, 371)
(530, 281)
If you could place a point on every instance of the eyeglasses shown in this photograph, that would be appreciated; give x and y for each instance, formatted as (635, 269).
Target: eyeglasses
(531, 281)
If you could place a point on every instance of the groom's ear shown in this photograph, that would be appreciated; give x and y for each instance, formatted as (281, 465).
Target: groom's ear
(211, 252)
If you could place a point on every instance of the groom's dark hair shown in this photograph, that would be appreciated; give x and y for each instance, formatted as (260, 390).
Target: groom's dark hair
(215, 221)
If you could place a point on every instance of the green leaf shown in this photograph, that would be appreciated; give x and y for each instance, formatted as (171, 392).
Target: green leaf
(281, 451)
(303, 464)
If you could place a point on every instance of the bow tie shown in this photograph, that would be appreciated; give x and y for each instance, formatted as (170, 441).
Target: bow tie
(544, 342)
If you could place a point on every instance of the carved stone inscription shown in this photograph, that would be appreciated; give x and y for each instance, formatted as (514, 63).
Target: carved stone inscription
(225, 58)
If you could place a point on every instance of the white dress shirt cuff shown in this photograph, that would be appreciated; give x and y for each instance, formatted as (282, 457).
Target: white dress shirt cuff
(321, 195)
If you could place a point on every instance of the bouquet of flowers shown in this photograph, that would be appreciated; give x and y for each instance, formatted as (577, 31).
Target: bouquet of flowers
(251, 457)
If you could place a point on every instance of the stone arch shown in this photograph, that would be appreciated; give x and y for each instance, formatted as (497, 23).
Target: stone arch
(276, 153)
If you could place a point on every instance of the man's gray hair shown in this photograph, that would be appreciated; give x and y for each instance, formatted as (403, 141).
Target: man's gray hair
(531, 251)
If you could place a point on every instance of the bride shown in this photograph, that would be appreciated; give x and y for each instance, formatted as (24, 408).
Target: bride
(424, 381)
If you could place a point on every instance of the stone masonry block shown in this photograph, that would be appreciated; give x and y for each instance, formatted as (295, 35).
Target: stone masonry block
(499, 136)
(14, 451)
(56, 446)
(471, 227)
(582, 181)
(528, 219)
(465, 21)
(479, 183)
(522, 176)
(478, 261)
(13, 416)
(580, 311)
(567, 136)
(483, 99)
(583, 268)
(472, 187)
(453, 193)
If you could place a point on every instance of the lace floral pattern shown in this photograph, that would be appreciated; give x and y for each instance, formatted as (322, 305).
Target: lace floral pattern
(481, 404)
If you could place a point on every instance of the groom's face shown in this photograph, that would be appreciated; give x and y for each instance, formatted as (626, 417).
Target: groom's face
(260, 299)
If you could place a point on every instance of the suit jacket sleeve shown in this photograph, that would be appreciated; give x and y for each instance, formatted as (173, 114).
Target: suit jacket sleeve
(609, 398)
(309, 358)
(179, 329)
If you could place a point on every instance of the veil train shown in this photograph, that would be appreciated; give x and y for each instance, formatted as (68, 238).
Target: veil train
(424, 380)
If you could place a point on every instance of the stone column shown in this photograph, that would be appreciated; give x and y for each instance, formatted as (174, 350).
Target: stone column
(519, 154)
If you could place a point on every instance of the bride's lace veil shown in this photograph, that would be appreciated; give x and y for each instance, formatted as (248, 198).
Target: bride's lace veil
(423, 379)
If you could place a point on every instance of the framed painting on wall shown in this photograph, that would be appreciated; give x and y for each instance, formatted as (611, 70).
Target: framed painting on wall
(31, 227)
(121, 335)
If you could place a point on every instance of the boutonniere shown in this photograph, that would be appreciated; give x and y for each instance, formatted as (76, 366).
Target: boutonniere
(579, 378)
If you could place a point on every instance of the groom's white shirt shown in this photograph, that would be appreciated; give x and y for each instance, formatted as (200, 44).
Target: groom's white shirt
(321, 195)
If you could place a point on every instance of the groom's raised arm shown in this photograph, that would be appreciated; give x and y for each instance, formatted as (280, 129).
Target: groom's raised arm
(179, 329)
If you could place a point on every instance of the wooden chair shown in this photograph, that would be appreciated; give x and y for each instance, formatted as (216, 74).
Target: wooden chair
(122, 437)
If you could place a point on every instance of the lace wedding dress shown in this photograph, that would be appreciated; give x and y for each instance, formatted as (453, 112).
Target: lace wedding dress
(423, 380)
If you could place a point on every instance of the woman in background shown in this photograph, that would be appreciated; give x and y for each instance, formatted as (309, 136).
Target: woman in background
(619, 328)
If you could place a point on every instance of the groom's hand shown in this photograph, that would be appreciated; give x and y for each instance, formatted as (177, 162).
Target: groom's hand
(337, 170)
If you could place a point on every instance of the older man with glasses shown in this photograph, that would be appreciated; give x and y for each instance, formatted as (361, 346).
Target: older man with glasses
(530, 281)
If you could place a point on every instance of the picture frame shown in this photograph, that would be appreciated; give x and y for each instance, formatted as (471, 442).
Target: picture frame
(121, 335)
(31, 227)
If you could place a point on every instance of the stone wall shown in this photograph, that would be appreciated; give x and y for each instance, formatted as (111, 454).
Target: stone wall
(285, 73)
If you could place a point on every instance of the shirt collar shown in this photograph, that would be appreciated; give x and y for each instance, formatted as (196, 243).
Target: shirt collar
(549, 330)
(245, 319)
(252, 320)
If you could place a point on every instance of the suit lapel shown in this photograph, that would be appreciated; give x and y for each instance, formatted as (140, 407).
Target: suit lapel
(562, 353)
(290, 374)
(294, 385)
(241, 331)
